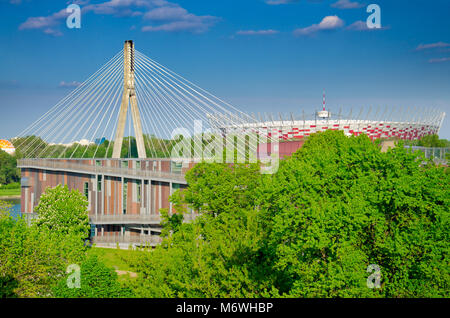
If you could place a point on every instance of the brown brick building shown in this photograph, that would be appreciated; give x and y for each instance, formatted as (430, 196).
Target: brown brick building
(125, 195)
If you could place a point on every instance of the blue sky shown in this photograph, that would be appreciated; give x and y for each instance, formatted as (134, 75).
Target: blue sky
(259, 55)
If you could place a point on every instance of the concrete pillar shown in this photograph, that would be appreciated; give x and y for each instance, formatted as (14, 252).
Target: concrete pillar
(129, 97)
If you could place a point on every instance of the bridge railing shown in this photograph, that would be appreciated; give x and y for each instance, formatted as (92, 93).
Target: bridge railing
(94, 169)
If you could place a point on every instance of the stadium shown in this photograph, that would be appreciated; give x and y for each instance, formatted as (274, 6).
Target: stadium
(387, 123)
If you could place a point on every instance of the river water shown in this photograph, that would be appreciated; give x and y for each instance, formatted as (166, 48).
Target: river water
(15, 210)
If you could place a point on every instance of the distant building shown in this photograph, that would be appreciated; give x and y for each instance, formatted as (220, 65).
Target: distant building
(99, 141)
(7, 146)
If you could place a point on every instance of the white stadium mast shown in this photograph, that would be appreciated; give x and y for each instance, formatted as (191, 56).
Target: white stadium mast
(323, 113)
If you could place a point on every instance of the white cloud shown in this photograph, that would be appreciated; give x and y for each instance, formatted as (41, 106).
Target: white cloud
(176, 19)
(172, 16)
(72, 84)
(327, 23)
(121, 7)
(432, 46)
(166, 13)
(47, 24)
(347, 4)
(178, 26)
(358, 26)
(439, 60)
(277, 2)
(257, 32)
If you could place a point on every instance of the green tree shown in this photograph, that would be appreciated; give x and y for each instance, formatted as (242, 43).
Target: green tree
(63, 211)
(339, 204)
(96, 281)
(8, 168)
(33, 259)
(310, 230)
(433, 141)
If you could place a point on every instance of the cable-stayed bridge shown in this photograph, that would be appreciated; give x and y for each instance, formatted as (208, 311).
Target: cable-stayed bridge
(134, 95)
(128, 134)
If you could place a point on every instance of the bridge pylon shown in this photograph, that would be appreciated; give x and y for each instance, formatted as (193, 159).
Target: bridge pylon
(129, 98)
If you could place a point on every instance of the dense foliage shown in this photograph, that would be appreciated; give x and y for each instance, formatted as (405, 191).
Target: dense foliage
(63, 211)
(8, 168)
(96, 281)
(34, 257)
(34, 146)
(310, 230)
(430, 141)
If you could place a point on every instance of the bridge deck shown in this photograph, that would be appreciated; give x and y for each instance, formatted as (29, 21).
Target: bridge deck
(55, 165)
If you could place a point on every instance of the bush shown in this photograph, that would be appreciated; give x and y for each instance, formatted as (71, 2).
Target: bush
(32, 259)
(64, 211)
(97, 281)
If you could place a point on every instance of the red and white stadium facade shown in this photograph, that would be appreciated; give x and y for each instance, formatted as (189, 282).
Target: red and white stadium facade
(375, 129)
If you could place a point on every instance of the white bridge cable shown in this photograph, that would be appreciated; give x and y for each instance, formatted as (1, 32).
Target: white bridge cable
(113, 103)
(62, 101)
(116, 84)
(182, 79)
(162, 99)
(147, 112)
(50, 122)
(165, 105)
(183, 98)
(238, 122)
(77, 116)
(66, 119)
(114, 81)
(100, 89)
(166, 93)
(59, 121)
(147, 99)
(194, 93)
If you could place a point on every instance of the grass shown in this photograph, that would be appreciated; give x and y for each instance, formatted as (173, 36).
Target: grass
(9, 192)
(113, 257)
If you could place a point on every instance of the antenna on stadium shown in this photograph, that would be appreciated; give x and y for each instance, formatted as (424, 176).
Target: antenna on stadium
(323, 114)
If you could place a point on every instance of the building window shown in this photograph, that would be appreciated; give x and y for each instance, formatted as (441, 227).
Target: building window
(139, 190)
(138, 165)
(124, 164)
(86, 190)
(125, 195)
(98, 163)
(99, 183)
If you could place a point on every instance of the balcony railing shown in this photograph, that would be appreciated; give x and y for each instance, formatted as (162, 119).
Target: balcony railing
(93, 169)
(132, 218)
(125, 239)
(121, 218)
(125, 219)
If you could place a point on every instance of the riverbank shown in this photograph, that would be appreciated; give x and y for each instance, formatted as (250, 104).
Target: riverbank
(10, 197)
(9, 193)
